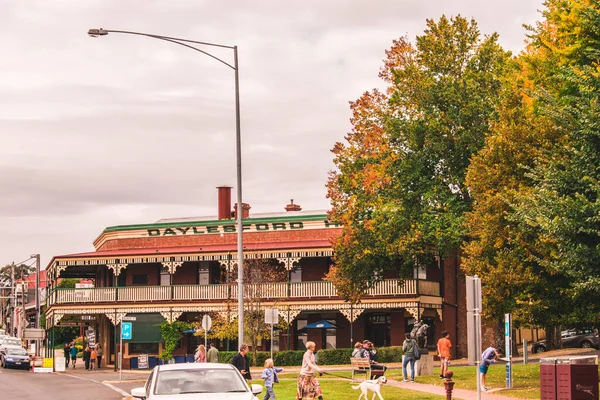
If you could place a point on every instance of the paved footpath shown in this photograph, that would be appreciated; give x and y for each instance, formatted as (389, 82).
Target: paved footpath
(456, 393)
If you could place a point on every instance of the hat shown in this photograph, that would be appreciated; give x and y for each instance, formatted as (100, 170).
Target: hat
(366, 341)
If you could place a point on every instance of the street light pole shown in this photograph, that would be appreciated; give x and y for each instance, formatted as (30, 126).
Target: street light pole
(238, 147)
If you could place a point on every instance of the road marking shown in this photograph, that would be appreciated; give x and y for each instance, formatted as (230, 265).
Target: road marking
(105, 383)
(116, 389)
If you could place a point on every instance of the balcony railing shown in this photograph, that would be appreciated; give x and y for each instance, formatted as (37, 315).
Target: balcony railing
(279, 290)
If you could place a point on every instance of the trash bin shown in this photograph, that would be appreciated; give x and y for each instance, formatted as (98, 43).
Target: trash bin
(569, 378)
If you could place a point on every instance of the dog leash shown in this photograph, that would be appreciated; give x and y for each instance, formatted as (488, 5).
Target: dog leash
(338, 376)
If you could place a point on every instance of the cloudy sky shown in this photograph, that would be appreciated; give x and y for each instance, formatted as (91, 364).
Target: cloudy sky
(125, 129)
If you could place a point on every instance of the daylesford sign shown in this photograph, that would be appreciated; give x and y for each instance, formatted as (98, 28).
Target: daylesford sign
(231, 228)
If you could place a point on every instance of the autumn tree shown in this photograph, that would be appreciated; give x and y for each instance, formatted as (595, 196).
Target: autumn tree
(399, 186)
(534, 225)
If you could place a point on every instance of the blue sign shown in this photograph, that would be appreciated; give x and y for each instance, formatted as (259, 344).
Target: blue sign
(126, 330)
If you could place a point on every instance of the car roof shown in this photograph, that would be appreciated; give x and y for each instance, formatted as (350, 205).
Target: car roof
(188, 366)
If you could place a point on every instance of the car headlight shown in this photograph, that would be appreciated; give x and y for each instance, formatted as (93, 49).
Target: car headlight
(10, 359)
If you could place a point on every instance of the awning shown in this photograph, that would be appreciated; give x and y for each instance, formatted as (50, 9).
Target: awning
(322, 324)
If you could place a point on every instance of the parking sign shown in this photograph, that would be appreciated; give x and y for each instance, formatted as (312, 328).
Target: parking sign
(126, 330)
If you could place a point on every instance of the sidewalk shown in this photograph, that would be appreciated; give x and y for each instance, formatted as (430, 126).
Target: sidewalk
(439, 390)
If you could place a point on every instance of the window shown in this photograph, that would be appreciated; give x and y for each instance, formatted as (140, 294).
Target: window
(301, 337)
(296, 274)
(420, 273)
(165, 277)
(143, 348)
(139, 279)
(203, 273)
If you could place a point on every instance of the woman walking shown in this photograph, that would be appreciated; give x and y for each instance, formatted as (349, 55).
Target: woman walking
(99, 353)
(200, 356)
(308, 385)
(408, 347)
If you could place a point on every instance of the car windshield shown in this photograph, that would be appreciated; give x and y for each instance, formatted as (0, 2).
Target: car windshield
(17, 352)
(12, 342)
(205, 380)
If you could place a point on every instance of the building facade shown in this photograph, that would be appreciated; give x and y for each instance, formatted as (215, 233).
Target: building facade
(181, 269)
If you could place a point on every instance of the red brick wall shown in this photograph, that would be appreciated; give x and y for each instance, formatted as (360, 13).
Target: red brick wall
(230, 238)
(186, 274)
(314, 268)
(152, 270)
(454, 307)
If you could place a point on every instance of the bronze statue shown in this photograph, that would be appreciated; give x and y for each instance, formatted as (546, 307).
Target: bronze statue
(419, 334)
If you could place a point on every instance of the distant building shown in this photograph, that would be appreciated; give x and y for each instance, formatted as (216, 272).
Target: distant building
(179, 269)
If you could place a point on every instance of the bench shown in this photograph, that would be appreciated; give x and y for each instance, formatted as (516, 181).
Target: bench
(363, 365)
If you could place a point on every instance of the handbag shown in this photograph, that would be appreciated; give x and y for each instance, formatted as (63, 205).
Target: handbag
(417, 351)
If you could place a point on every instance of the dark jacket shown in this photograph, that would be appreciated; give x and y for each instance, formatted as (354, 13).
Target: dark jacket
(241, 363)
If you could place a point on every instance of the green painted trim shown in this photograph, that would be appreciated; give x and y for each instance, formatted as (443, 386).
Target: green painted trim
(117, 228)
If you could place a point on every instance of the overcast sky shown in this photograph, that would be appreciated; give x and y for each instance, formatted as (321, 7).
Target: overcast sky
(124, 129)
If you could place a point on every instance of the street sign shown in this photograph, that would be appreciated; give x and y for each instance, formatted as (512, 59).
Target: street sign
(508, 349)
(143, 361)
(206, 322)
(126, 318)
(33, 334)
(126, 330)
(271, 316)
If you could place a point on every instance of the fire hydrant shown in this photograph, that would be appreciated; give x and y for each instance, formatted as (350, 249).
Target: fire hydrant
(448, 384)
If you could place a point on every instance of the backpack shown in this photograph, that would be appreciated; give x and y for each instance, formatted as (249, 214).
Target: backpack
(417, 351)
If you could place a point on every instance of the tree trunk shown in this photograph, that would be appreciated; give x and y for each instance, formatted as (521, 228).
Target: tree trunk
(553, 338)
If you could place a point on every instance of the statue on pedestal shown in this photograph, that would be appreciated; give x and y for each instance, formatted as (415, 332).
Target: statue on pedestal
(419, 334)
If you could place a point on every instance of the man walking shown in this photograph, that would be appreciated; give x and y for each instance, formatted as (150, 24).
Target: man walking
(240, 361)
(443, 348)
(212, 355)
(67, 353)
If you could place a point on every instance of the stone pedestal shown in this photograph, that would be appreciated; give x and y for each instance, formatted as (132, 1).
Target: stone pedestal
(423, 367)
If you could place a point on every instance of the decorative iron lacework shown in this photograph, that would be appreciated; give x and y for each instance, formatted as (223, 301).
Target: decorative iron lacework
(61, 264)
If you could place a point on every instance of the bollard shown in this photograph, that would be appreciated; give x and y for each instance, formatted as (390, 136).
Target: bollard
(448, 384)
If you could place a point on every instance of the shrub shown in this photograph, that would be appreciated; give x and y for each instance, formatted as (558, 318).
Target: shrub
(334, 356)
(389, 354)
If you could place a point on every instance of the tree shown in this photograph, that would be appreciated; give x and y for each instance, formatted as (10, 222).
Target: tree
(399, 189)
(258, 274)
(20, 270)
(534, 224)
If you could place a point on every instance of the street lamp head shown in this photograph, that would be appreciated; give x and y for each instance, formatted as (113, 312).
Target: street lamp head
(97, 32)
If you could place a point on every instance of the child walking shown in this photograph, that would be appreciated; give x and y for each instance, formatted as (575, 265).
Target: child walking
(269, 374)
(93, 357)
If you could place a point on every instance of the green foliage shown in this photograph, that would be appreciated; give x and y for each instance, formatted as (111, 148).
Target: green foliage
(324, 357)
(172, 334)
(68, 283)
(20, 270)
(399, 190)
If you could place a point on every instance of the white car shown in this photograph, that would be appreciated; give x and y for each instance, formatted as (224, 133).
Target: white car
(198, 381)
(10, 343)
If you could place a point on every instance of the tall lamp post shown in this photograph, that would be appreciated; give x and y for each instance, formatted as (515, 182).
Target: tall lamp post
(238, 145)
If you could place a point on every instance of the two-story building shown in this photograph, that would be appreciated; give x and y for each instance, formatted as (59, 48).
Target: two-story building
(180, 269)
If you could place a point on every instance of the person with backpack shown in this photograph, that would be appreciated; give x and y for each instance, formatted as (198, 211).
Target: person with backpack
(411, 352)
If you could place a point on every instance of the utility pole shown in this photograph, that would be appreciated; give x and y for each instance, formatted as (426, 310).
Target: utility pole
(37, 291)
(14, 302)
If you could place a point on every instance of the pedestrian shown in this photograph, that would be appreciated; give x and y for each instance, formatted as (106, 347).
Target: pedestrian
(443, 348)
(212, 355)
(93, 357)
(99, 352)
(308, 385)
(357, 352)
(408, 348)
(67, 353)
(86, 357)
(487, 358)
(74, 351)
(370, 353)
(200, 356)
(240, 361)
(269, 374)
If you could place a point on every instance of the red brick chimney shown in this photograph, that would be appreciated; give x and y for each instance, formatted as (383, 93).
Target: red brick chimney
(224, 194)
(245, 210)
(293, 207)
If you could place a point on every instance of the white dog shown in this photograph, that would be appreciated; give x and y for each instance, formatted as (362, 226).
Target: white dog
(372, 385)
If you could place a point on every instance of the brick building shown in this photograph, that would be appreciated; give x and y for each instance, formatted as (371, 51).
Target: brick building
(181, 269)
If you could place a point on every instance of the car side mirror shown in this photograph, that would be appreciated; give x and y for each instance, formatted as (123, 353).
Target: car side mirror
(256, 389)
(139, 393)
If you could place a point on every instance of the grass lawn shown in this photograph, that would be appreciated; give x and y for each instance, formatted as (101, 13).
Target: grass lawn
(340, 389)
(526, 379)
